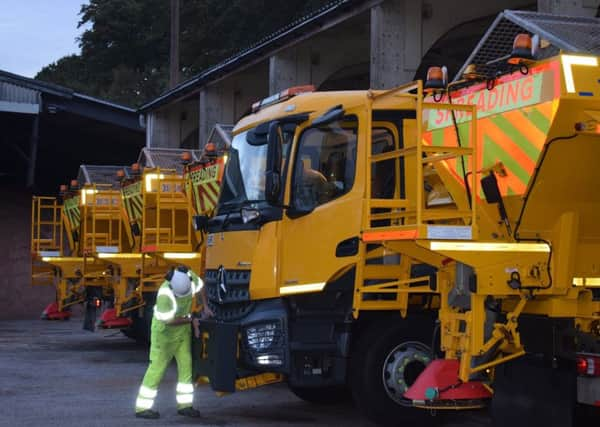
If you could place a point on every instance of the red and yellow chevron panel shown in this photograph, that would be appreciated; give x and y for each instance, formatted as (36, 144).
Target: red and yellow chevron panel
(514, 118)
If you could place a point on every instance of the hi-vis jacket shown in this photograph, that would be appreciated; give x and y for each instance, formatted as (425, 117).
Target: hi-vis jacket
(168, 307)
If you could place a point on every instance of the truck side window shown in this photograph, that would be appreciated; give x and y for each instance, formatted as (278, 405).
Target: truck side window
(325, 164)
(383, 174)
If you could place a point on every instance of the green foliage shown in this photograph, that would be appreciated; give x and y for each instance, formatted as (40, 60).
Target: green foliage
(125, 52)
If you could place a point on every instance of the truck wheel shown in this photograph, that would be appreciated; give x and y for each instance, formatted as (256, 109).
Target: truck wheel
(534, 392)
(387, 360)
(331, 395)
(140, 328)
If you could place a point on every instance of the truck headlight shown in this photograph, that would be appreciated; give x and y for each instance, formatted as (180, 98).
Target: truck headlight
(260, 337)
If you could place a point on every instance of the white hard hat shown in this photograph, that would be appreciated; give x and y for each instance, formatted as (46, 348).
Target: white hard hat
(181, 284)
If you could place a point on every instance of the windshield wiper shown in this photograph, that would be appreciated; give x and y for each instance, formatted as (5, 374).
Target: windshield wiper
(241, 203)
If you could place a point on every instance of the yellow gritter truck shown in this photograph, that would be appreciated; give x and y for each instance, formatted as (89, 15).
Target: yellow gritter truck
(433, 246)
(108, 240)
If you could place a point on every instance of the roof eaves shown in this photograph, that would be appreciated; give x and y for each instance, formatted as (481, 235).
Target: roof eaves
(103, 102)
(34, 84)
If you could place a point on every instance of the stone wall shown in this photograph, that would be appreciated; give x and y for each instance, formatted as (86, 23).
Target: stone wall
(18, 298)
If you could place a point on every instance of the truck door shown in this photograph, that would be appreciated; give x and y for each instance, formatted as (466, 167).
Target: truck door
(320, 231)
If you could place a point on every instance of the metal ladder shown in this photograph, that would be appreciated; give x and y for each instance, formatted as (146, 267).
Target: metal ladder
(408, 219)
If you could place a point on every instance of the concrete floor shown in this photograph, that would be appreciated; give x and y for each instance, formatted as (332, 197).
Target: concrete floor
(56, 374)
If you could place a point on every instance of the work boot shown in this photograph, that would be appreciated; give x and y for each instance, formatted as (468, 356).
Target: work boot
(148, 414)
(189, 412)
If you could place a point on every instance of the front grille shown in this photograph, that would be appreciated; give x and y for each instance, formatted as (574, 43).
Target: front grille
(234, 303)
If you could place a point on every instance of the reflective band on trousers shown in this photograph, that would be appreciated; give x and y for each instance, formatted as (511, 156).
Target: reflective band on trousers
(144, 403)
(185, 388)
(147, 392)
(168, 315)
(182, 399)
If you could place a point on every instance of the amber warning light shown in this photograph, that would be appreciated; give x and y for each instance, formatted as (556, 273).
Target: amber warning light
(282, 96)
(186, 157)
(521, 51)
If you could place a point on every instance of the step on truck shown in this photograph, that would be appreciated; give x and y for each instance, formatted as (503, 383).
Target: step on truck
(434, 246)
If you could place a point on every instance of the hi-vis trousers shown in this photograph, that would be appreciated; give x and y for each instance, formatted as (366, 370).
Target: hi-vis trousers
(162, 351)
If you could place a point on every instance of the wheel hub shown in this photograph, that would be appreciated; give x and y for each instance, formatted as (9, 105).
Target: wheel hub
(401, 368)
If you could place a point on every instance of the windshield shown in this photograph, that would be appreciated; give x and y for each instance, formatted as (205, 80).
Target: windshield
(244, 178)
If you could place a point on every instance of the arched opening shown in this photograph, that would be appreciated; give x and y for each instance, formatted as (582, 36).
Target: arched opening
(452, 49)
(350, 77)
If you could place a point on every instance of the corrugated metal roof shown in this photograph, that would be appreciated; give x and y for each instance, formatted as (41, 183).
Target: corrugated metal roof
(53, 89)
(33, 84)
(15, 93)
(566, 33)
(18, 99)
(263, 46)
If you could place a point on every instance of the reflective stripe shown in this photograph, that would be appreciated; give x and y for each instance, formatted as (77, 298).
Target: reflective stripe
(168, 315)
(147, 392)
(144, 403)
(185, 388)
(197, 285)
(185, 398)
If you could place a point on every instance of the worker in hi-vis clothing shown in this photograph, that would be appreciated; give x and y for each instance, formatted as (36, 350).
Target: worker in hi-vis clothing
(171, 338)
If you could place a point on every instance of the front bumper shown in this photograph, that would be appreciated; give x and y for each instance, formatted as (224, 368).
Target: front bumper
(227, 351)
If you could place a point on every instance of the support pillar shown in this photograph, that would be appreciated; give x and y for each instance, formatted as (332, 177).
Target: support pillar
(157, 129)
(291, 67)
(282, 71)
(589, 8)
(395, 42)
(216, 106)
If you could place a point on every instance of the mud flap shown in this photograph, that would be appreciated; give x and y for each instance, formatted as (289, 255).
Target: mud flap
(540, 388)
(215, 355)
(90, 316)
(530, 392)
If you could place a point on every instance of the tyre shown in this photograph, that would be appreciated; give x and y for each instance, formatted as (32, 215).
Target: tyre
(140, 328)
(387, 359)
(331, 395)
